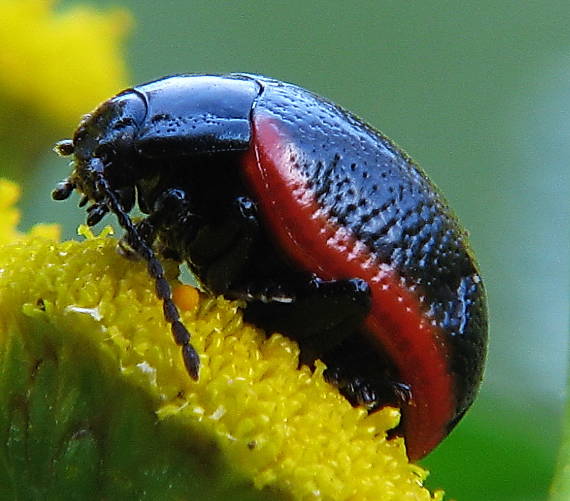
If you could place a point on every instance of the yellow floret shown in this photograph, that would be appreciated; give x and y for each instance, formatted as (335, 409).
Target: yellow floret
(282, 427)
(10, 217)
(58, 63)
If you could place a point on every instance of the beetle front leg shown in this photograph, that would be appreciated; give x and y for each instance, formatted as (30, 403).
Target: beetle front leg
(146, 231)
(172, 208)
(320, 314)
(219, 255)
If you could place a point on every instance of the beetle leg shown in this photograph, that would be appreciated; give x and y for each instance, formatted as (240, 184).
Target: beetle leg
(322, 314)
(264, 293)
(364, 374)
(172, 208)
(221, 250)
(326, 317)
(146, 230)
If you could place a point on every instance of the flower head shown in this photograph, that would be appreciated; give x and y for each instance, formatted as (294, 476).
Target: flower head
(60, 63)
(57, 64)
(282, 427)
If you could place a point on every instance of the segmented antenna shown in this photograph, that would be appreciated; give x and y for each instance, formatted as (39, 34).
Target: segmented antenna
(155, 269)
(64, 188)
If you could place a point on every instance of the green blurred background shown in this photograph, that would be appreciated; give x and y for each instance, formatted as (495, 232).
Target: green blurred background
(478, 93)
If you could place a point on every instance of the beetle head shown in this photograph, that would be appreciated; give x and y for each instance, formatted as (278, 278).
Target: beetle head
(103, 147)
(104, 172)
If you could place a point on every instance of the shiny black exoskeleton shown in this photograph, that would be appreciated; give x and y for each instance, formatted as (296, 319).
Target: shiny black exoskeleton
(331, 234)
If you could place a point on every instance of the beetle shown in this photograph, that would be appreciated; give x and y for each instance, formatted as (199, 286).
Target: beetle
(330, 233)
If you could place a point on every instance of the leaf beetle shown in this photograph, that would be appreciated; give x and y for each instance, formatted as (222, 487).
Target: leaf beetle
(330, 233)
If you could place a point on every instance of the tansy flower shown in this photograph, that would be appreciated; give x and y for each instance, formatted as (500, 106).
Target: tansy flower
(97, 402)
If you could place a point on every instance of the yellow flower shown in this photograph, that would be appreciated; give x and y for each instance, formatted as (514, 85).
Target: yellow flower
(94, 387)
(10, 217)
(55, 66)
(58, 64)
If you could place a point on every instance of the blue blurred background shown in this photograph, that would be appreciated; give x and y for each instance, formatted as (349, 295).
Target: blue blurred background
(478, 93)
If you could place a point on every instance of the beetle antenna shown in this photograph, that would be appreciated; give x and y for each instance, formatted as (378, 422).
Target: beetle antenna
(155, 270)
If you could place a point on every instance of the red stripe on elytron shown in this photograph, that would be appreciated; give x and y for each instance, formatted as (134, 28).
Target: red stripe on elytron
(320, 246)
